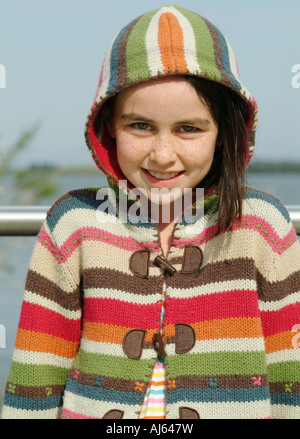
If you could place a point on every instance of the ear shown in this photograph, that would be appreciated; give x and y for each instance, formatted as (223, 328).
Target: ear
(108, 120)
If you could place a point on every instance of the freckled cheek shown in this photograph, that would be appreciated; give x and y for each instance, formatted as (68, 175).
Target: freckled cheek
(130, 150)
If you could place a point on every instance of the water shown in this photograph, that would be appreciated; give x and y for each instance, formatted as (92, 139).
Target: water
(17, 252)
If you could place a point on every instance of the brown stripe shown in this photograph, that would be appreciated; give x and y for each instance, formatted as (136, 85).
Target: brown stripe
(123, 78)
(286, 387)
(240, 268)
(273, 291)
(34, 392)
(113, 279)
(218, 53)
(44, 287)
(108, 383)
(220, 381)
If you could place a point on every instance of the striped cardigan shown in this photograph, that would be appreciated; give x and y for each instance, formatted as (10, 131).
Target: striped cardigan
(85, 344)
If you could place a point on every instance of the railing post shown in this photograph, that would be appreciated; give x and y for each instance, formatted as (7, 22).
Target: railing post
(21, 220)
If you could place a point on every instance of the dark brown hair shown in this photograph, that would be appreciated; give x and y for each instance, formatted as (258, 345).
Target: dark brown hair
(226, 176)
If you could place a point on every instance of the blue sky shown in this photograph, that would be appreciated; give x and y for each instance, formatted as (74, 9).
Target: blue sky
(52, 52)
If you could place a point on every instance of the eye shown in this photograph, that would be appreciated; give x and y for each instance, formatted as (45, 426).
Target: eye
(143, 126)
(188, 129)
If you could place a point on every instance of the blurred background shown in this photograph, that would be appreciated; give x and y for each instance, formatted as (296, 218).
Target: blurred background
(50, 59)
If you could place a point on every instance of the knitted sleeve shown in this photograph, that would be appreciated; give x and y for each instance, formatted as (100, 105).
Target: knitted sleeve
(278, 263)
(48, 333)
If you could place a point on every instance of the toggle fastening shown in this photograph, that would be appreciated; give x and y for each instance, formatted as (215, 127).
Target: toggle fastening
(163, 263)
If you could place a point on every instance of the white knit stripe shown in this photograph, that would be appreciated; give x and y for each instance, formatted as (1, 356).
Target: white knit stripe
(267, 211)
(95, 347)
(106, 72)
(223, 345)
(110, 293)
(88, 406)
(292, 354)
(189, 41)
(212, 288)
(234, 69)
(202, 346)
(35, 299)
(41, 358)
(291, 299)
(217, 251)
(12, 413)
(224, 410)
(153, 52)
(232, 60)
(285, 411)
(96, 218)
(88, 218)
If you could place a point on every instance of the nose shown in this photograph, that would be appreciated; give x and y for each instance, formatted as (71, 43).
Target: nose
(163, 150)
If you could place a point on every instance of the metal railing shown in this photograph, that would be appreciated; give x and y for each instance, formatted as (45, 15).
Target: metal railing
(27, 220)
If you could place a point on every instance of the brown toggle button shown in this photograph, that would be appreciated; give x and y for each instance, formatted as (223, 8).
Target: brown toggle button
(188, 413)
(159, 344)
(163, 263)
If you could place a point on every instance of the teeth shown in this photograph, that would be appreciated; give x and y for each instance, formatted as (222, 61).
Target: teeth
(163, 176)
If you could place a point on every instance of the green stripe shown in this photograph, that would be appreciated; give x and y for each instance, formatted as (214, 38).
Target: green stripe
(111, 366)
(37, 375)
(216, 363)
(136, 54)
(204, 44)
(288, 371)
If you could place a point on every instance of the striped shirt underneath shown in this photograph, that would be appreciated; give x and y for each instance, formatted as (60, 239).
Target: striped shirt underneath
(154, 405)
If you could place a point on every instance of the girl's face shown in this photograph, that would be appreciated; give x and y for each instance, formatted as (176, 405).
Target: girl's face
(165, 135)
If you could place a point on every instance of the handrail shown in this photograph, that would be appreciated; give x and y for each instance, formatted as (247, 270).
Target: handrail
(27, 220)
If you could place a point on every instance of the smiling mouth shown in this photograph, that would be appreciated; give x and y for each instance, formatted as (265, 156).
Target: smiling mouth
(164, 176)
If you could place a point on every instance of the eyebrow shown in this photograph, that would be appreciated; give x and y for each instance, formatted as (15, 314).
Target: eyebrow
(193, 121)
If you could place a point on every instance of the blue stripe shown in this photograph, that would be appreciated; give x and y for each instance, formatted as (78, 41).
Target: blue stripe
(226, 61)
(81, 202)
(70, 204)
(113, 82)
(20, 402)
(218, 395)
(292, 399)
(100, 394)
(271, 200)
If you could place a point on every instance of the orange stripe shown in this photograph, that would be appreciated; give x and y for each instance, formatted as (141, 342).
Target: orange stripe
(170, 40)
(40, 342)
(236, 327)
(279, 342)
(103, 332)
(157, 383)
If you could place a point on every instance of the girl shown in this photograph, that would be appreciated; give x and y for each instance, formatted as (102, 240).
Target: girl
(127, 315)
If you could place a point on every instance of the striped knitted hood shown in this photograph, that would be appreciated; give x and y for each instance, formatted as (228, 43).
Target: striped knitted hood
(167, 41)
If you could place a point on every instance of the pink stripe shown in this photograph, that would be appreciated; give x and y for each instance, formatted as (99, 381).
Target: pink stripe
(91, 234)
(238, 303)
(117, 312)
(68, 414)
(40, 319)
(158, 401)
(249, 222)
